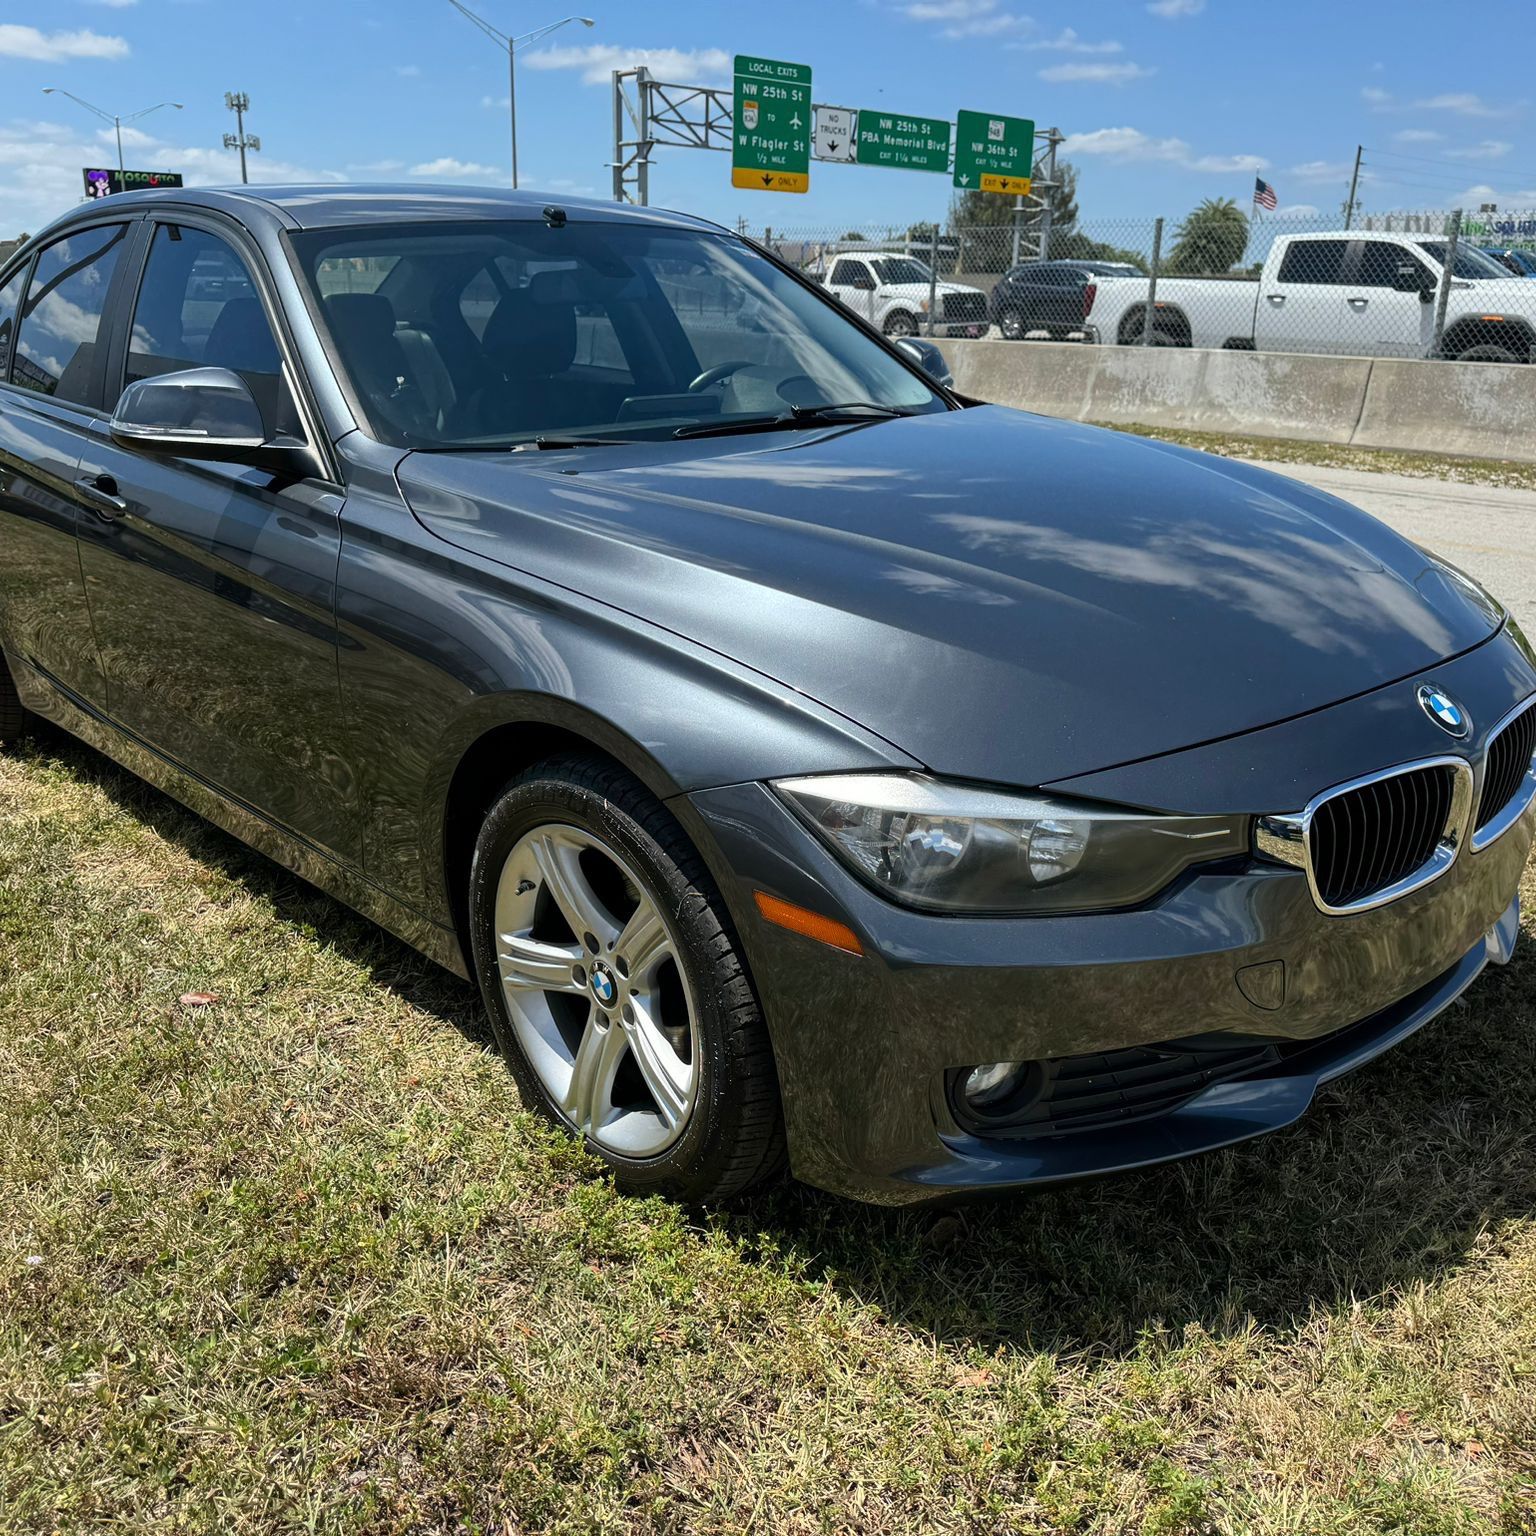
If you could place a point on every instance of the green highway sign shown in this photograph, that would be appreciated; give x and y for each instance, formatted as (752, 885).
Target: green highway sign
(904, 143)
(994, 154)
(771, 131)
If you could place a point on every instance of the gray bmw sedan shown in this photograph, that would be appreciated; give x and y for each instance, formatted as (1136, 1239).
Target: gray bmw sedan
(808, 764)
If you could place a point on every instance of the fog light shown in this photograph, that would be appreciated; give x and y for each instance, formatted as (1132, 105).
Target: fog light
(993, 1083)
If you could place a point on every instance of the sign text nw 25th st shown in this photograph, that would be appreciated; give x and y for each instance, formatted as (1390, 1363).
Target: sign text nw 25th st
(771, 133)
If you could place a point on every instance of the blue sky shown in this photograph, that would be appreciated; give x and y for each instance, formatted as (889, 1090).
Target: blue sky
(1163, 102)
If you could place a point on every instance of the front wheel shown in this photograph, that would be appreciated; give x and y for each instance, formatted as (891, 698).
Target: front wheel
(1011, 324)
(899, 324)
(1488, 354)
(616, 986)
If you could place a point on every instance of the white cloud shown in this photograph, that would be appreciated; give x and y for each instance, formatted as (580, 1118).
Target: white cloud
(40, 167)
(1069, 42)
(446, 165)
(968, 18)
(19, 42)
(1226, 165)
(1489, 149)
(1373, 96)
(378, 167)
(1098, 74)
(1297, 211)
(1322, 170)
(1132, 145)
(408, 71)
(1175, 8)
(597, 62)
(1467, 103)
(114, 5)
(1417, 136)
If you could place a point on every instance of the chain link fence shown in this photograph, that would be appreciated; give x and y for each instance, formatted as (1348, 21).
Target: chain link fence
(1404, 285)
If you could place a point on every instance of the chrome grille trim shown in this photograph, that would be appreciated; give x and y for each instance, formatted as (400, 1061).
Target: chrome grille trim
(1288, 838)
(1518, 796)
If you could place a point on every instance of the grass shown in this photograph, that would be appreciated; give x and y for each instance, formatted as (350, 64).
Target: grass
(1420, 466)
(298, 1261)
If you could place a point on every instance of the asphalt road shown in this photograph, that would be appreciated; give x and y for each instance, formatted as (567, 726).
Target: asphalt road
(1488, 531)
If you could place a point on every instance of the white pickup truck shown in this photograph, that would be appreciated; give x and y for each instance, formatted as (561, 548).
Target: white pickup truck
(1359, 293)
(892, 292)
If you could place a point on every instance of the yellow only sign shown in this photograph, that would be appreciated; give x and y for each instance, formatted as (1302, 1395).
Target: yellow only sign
(1016, 184)
(770, 181)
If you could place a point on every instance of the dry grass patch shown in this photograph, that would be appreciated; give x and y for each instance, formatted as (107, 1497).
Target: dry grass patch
(298, 1260)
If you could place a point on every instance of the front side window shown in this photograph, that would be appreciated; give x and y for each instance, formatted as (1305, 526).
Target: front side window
(56, 345)
(1470, 262)
(1314, 261)
(10, 302)
(901, 269)
(485, 335)
(1379, 261)
(846, 274)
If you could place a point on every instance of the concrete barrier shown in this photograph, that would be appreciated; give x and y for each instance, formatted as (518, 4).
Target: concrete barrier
(1485, 410)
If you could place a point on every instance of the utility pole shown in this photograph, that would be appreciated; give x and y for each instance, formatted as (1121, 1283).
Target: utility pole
(239, 103)
(1354, 187)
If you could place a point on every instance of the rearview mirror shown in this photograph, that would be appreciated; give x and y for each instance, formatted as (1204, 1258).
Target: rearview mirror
(204, 413)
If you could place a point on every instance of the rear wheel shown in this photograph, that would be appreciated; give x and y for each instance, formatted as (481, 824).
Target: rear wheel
(12, 718)
(1488, 354)
(616, 987)
(1011, 324)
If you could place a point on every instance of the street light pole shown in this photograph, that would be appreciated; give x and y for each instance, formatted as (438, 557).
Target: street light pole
(512, 44)
(114, 118)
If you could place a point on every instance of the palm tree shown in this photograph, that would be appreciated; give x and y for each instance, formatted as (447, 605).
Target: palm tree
(1211, 239)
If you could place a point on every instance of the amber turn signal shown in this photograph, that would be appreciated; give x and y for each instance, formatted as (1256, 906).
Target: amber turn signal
(813, 925)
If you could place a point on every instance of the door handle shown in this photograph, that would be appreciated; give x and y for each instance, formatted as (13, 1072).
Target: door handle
(101, 492)
(1276, 299)
(1358, 303)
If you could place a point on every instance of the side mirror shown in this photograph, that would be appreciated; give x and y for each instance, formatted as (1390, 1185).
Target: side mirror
(204, 413)
(929, 358)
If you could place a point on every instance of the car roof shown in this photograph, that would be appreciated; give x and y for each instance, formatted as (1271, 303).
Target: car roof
(327, 205)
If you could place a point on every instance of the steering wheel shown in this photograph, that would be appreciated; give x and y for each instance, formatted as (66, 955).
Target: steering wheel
(715, 375)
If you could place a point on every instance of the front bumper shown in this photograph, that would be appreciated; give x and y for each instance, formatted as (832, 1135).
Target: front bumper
(865, 1045)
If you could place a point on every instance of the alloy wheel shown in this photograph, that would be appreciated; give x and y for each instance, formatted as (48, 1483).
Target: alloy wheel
(593, 981)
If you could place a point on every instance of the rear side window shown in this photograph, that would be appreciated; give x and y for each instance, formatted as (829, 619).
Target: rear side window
(56, 347)
(1314, 261)
(10, 302)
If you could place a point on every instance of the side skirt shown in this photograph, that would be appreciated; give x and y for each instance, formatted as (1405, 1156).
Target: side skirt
(42, 695)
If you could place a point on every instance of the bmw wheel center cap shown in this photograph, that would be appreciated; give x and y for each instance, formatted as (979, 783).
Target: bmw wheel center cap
(1445, 711)
(604, 988)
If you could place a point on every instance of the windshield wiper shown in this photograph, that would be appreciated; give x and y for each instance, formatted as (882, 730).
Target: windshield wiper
(551, 441)
(854, 411)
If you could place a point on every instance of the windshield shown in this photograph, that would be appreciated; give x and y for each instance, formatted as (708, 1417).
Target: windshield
(901, 269)
(1470, 262)
(490, 334)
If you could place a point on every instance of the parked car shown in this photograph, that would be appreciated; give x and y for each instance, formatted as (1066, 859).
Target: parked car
(1051, 298)
(795, 755)
(1517, 258)
(1363, 293)
(892, 292)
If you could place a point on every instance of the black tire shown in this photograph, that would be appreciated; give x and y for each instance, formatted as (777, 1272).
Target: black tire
(733, 1137)
(12, 717)
(1488, 353)
(1011, 325)
(900, 323)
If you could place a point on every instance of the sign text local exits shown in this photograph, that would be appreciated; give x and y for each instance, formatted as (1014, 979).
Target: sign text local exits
(771, 132)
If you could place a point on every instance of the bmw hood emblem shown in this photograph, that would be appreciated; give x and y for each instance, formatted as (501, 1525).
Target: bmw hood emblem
(1445, 711)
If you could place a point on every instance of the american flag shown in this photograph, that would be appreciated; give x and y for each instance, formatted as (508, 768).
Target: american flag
(1264, 194)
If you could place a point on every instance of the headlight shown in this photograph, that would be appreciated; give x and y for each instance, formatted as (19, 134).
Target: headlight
(954, 848)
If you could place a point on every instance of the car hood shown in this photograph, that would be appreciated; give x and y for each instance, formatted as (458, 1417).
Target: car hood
(1003, 596)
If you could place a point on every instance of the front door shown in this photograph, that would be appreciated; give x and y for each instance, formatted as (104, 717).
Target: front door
(212, 587)
(1378, 320)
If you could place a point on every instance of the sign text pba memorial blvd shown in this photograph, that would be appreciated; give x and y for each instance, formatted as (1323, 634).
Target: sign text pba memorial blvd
(903, 142)
(771, 130)
(993, 153)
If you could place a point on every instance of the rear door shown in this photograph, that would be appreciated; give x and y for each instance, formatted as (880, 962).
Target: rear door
(1300, 298)
(1375, 319)
(52, 353)
(212, 586)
